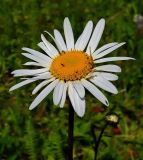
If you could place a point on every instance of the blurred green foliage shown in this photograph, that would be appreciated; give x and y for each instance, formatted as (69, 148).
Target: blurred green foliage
(41, 134)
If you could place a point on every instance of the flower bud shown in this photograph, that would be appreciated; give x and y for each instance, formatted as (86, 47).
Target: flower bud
(112, 119)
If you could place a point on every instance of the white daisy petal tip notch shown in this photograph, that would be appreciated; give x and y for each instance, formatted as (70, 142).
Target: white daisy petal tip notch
(70, 67)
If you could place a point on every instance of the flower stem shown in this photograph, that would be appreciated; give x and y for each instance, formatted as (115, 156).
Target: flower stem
(98, 141)
(70, 132)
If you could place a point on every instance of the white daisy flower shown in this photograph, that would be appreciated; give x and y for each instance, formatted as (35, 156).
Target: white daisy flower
(71, 67)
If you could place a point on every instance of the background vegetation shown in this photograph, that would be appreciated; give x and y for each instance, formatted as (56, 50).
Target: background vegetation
(41, 134)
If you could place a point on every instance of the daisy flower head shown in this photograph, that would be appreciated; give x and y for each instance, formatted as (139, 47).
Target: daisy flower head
(71, 67)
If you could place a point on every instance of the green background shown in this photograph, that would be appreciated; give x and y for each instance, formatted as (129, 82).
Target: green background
(41, 134)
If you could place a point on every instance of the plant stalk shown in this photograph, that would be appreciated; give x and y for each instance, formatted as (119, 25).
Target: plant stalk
(98, 141)
(70, 132)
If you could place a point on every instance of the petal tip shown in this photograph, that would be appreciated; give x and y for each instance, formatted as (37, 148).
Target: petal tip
(106, 103)
(11, 89)
(55, 31)
(123, 43)
(31, 107)
(102, 20)
(33, 93)
(80, 114)
(90, 22)
(66, 18)
(116, 92)
(42, 36)
(133, 59)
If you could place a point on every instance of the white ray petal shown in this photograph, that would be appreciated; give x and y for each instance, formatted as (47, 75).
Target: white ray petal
(104, 84)
(58, 92)
(84, 37)
(38, 54)
(77, 103)
(103, 48)
(54, 52)
(32, 64)
(34, 58)
(80, 105)
(71, 93)
(107, 51)
(96, 36)
(26, 78)
(109, 59)
(26, 72)
(27, 81)
(42, 84)
(63, 99)
(69, 37)
(45, 75)
(95, 91)
(79, 88)
(45, 49)
(108, 76)
(56, 42)
(43, 94)
(60, 40)
(108, 68)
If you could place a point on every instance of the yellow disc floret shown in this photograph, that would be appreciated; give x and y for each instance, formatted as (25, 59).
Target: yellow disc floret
(71, 65)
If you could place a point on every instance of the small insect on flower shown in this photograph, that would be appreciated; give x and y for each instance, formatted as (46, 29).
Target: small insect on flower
(71, 67)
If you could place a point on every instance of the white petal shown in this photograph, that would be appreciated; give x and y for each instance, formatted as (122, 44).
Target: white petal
(77, 103)
(108, 68)
(68, 34)
(58, 91)
(79, 88)
(103, 48)
(95, 91)
(113, 59)
(37, 54)
(26, 78)
(42, 84)
(32, 64)
(37, 59)
(71, 93)
(45, 49)
(43, 94)
(80, 105)
(21, 84)
(96, 36)
(108, 76)
(54, 52)
(45, 75)
(64, 95)
(26, 72)
(56, 42)
(104, 84)
(84, 37)
(60, 40)
(107, 51)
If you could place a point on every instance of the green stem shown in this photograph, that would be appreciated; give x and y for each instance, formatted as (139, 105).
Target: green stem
(98, 141)
(70, 132)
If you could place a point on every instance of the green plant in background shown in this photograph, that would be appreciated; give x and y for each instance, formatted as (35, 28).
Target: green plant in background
(30, 140)
(28, 19)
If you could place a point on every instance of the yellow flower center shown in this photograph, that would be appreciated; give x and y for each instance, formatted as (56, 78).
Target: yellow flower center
(71, 65)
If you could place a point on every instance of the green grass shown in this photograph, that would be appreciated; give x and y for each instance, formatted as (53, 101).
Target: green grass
(41, 134)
